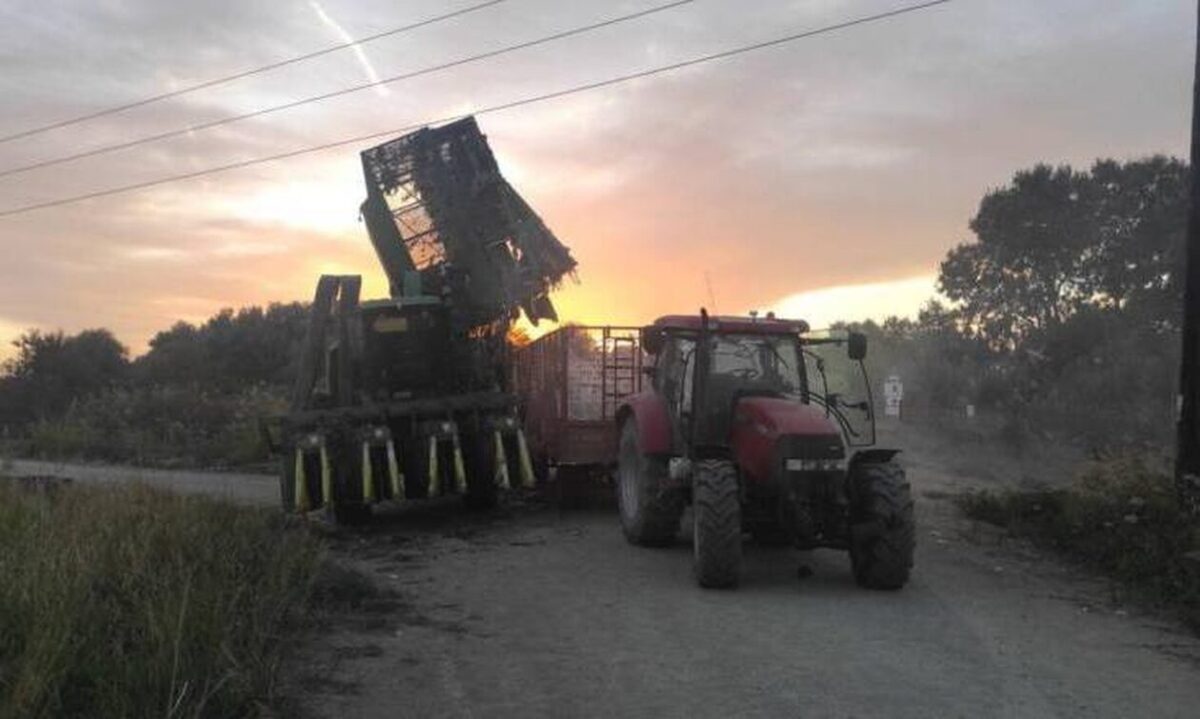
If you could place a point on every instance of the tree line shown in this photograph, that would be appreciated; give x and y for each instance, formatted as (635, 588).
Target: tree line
(1062, 312)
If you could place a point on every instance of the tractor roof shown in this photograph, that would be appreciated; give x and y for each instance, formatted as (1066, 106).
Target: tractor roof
(735, 325)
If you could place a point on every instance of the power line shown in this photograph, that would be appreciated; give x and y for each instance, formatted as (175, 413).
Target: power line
(247, 73)
(344, 91)
(486, 110)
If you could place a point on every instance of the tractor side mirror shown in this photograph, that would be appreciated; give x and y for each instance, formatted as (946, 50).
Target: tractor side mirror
(856, 346)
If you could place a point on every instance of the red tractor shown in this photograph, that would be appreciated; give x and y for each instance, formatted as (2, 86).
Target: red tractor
(741, 421)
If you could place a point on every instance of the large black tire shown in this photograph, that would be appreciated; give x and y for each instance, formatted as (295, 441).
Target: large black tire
(349, 506)
(717, 534)
(649, 512)
(882, 525)
(480, 460)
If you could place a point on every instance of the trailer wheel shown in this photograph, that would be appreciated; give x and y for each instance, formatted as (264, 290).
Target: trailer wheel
(717, 534)
(649, 512)
(882, 527)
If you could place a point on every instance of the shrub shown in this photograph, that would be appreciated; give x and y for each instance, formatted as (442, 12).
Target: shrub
(160, 426)
(1121, 517)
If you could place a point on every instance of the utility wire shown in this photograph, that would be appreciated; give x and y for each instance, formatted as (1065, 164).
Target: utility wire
(345, 91)
(248, 73)
(486, 110)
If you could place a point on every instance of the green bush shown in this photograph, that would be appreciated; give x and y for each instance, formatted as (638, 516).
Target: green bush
(1121, 517)
(125, 602)
(164, 426)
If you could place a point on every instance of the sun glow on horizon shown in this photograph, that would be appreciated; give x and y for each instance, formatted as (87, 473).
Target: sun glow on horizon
(858, 302)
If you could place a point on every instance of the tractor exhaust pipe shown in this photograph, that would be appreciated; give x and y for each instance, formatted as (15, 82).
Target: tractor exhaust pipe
(700, 384)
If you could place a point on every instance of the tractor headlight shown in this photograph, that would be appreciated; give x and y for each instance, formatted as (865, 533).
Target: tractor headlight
(814, 465)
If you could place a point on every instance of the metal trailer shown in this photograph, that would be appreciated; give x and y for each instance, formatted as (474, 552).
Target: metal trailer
(569, 384)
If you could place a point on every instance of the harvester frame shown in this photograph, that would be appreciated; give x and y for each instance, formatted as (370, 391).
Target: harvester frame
(406, 397)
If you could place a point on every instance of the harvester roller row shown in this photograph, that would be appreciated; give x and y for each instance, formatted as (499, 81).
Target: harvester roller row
(313, 468)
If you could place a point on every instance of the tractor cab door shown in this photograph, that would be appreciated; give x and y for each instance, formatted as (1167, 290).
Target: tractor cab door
(674, 379)
(840, 386)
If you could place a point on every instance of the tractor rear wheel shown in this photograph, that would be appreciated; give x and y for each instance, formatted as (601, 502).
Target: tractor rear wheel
(882, 527)
(649, 512)
(717, 534)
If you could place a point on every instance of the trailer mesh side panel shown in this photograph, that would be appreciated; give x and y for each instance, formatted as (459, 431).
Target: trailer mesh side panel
(571, 383)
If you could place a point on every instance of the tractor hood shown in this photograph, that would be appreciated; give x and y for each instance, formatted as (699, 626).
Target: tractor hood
(768, 428)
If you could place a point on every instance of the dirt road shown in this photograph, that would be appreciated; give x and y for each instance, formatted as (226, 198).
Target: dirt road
(542, 614)
(247, 488)
(534, 613)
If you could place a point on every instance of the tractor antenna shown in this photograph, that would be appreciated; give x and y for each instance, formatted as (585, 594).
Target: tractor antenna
(712, 300)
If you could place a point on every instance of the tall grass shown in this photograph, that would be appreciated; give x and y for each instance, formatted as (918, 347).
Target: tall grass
(1121, 517)
(131, 602)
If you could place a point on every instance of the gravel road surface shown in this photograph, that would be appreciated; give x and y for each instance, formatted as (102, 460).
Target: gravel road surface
(543, 614)
(248, 488)
(534, 612)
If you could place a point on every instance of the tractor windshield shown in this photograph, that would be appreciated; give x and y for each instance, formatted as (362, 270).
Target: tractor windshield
(756, 364)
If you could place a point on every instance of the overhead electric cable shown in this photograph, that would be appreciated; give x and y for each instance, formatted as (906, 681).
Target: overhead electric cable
(344, 91)
(247, 73)
(486, 110)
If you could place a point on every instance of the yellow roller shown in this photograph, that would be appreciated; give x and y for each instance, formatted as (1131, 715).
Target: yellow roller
(501, 464)
(394, 475)
(326, 478)
(528, 481)
(368, 480)
(300, 498)
(435, 481)
(460, 474)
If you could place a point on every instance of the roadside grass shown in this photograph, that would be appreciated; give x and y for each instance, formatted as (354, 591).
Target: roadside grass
(129, 602)
(1120, 518)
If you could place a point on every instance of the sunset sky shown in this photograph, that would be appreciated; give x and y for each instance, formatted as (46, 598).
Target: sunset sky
(825, 178)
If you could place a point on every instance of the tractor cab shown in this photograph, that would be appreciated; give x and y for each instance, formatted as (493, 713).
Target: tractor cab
(703, 381)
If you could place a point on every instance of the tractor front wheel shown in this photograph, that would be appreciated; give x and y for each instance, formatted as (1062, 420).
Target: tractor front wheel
(717, 534)
(882, 527)
(649, 512)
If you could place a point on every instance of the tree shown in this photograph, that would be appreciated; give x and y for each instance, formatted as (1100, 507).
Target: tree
(1056, 241)
(1025, 271)
(52, 370)
(230, 351)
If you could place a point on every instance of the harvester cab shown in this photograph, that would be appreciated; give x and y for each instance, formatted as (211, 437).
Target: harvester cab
(764, 427)
(406, 397)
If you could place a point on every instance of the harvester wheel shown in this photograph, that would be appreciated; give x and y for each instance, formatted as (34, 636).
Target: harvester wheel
(649, 513)
(351, 514)
(882, 527)
(482, 492)
(287, 481)
(717, 534)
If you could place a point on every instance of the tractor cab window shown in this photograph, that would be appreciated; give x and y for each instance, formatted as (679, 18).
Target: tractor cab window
(839, 385)
(747, 365)
(755, 364)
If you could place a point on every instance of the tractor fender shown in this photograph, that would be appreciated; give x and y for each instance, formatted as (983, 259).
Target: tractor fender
(653, 421)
